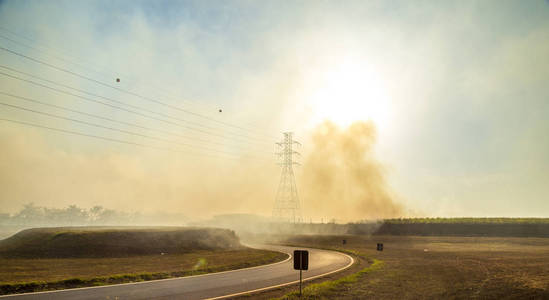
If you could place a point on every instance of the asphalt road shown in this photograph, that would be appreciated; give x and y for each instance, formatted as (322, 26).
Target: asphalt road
(215, 285)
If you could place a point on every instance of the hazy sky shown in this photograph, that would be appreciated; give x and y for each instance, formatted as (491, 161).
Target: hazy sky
(457, 90)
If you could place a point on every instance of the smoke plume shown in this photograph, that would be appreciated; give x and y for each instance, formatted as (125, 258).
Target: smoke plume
(341, 178)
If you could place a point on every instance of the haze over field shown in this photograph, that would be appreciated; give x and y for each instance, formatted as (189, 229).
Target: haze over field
(403, 108)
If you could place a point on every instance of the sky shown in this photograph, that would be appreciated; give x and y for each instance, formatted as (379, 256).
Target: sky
(456, 91)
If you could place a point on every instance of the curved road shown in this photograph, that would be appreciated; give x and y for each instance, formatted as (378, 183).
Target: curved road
(209, 286)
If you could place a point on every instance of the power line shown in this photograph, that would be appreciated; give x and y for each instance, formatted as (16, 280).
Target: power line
(117, 140)
(287, 207)
(102, 97)
(114, 106)
(115, 101)
(112, 128)
(108, 119)
(90, 63)
(122, 90)
(109, 139)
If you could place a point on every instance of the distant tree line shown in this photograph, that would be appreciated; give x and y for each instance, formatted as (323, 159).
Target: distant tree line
(467, 221)
(72, 215)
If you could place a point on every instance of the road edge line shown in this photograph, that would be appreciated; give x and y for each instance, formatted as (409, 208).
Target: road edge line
(288, 283)
(144, 282)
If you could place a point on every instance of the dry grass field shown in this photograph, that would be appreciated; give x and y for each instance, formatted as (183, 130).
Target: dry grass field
(40, 259)
(436, 268)
(14, 270)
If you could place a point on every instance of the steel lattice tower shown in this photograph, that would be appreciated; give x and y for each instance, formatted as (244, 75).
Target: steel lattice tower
(287, 207)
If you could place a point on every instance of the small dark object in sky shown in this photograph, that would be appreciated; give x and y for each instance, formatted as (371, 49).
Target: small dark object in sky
(220, 110)
(117, 79)
(379, 247)
(344, 242)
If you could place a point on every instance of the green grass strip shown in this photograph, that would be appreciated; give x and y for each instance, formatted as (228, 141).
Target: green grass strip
(324, 289)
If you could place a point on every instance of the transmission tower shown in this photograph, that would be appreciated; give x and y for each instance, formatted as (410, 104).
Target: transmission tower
(287, 207)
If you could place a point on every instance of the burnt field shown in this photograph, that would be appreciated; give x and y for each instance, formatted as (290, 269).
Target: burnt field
(426, 267)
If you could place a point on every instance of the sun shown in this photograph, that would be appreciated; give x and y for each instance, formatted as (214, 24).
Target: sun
(347, 92)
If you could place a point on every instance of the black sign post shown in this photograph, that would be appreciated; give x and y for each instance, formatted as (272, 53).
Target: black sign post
(301, 262)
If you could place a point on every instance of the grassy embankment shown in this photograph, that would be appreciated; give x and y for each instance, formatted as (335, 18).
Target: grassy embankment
(436, 268)
(57, 258)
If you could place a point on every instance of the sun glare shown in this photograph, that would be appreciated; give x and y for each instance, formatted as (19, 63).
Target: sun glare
(349, 92)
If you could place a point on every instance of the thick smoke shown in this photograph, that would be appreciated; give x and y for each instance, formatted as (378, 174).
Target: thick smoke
(33, 168)
(342, 179)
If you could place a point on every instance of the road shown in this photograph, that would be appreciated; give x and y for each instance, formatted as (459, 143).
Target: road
(208, 286)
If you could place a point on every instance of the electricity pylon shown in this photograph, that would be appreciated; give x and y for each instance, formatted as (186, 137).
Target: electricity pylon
(287, 207)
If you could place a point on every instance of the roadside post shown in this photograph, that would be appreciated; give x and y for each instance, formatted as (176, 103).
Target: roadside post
(301, 262)
(379, 246)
